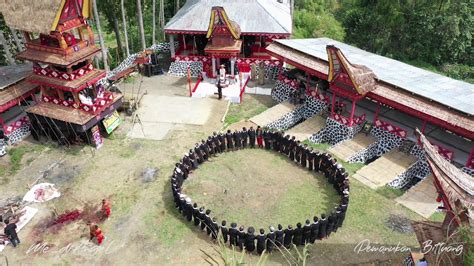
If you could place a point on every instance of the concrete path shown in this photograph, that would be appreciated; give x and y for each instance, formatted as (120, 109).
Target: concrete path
(421, 198)
(384, 169)
(347, 148)
(272, 114)
(307, 128)
(159, 115)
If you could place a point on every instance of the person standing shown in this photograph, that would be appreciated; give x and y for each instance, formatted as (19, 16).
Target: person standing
(323, 224)
(245, 137)
(221, 139)
(271, 239)
(306, 232)
(261, 241)
(250, 240)
(10, 232)
(288, 237)
(304, 155)
(233, 234)
(237, 140)
(98, 235)
(202, 218)
(279, 236)
(229, 139)
(241, 237)
(224, 231)
(314, 230)
(259, 137)
(219, 85)
(196, 214)
(252, 137)
(298, 235)
(105, 208)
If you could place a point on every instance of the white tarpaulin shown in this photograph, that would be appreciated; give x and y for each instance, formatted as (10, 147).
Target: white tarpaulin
(41, 193)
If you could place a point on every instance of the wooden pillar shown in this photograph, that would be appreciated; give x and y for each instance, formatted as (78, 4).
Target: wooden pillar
(81, 34)
(280, 70)
(351, 119)
(76, 97)
(423, 127)
(61, 94)
(91, 35)
(377, 111)
(184, 42)
(232, 66)
(213, 67)
(333, 102)
(308, 76)
(172, 51)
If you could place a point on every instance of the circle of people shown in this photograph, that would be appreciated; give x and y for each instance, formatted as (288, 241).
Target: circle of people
(313, 160)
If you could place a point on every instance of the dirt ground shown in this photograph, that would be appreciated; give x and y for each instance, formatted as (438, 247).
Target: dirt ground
(144, 227)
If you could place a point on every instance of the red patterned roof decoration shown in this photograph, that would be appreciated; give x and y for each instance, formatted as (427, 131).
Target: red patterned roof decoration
(391, 128)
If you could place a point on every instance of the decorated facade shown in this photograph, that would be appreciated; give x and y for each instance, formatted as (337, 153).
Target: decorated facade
(232, 33)
(60, 43)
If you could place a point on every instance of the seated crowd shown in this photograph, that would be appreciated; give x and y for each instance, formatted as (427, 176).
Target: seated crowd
(309, 232)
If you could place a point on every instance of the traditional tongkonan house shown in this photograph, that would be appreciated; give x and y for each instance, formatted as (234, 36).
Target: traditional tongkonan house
(384, 97)
(232, 33)
(441, 242)
(16, 94)
(61, 45)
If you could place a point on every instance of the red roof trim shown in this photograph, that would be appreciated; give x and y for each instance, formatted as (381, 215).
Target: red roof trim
(65, 88)
(286, 35)
(305, 68)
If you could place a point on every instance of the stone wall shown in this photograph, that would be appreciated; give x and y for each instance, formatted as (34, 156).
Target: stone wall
(180, 68)
(468, 170)
(417, 172)
(335, 132)
(15, 137)
(281, 92)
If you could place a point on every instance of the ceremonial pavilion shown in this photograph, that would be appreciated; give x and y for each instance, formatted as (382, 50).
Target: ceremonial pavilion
(233, 33)
(389, 94)
(60, 44)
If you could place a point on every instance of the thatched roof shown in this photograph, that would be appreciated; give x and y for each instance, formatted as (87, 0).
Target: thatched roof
(363, 78)
(15, 91)
(457, 185)
(30, 15)
(57, 59)
(62, 113)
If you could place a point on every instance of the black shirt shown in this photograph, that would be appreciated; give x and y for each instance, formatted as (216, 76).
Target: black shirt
(10, 230)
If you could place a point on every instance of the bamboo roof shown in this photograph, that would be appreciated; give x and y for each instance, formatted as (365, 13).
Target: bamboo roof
(57, 59)
(457, 185)
(15, 91)
(62, 113)
(12, 74)
(73, 85)
(30, 15)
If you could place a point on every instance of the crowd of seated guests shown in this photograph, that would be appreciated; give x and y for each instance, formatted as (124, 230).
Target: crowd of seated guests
(310, 231)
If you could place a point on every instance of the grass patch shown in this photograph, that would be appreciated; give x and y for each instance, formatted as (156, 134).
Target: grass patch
(16, 156)
(252, 105)
(390, 192)
(437, 217)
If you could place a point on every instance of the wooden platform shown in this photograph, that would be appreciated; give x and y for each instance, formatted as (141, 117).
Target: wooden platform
(307, 128)
(272, 114)
(421, 198)
(345, 149)
(384, 169)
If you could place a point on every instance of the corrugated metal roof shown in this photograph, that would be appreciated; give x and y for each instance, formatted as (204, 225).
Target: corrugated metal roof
(253, 16)
(452, 93)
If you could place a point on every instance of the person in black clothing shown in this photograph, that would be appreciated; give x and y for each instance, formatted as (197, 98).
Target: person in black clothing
(176, 193)
(279, 236)
(252, 137)
(214, 228)
(198, 153)
(298, 150)
(217, 144)
(237, 140)
(204, 150)
(292, 147)
(250, 240)
(314, 230)
(233, 234)
(286, 147)
(298, 235)
(196, 214)
(306, 232)
(182, 203)
(188, 211)
(245, 137)
(208, 221)
(288, 236)
(261, 241)
(276, 140)
(270, 239)
(343, 213)
(221, 139)
(212, 147)
(10, 232)
(224, 231)
(266, 140)
(323, 224)
(202, 218)
(317, 161)
(331, 224)
(241, 239)
(229, 139)
(304, 156)
(337, 216)
(194, 158)
(311, 155)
